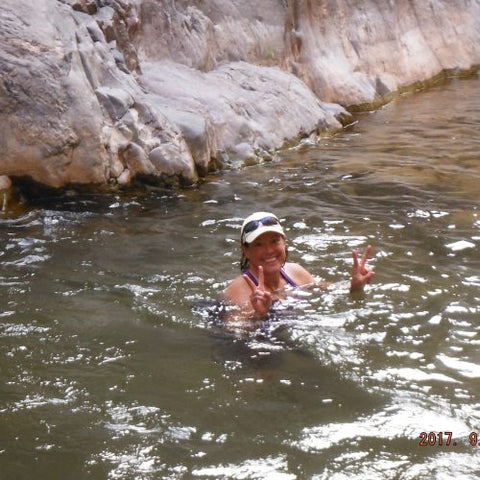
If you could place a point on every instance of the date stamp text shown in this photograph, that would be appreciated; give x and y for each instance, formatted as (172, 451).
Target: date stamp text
(445, 439)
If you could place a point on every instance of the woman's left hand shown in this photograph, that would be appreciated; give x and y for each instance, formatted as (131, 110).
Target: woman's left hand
(361, 274)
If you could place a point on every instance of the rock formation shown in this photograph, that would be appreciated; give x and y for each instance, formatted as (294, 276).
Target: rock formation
(356, 53)
(105, 91)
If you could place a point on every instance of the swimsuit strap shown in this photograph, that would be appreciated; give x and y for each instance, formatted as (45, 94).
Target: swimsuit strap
(283, 273)
(287, 278)
(250, 275)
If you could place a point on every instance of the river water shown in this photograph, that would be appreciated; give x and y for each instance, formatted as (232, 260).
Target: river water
(114, 365)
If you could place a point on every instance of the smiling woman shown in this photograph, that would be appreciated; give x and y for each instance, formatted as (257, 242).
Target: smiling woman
(267, 276)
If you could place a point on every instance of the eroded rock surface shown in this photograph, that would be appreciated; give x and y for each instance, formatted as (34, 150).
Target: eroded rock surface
(101, 91)
(356, 53)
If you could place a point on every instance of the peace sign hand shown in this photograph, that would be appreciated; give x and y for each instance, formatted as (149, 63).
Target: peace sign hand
(260, 299)
(361, 274)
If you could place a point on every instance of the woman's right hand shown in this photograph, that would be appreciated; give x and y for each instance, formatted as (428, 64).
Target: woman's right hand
(260, 299)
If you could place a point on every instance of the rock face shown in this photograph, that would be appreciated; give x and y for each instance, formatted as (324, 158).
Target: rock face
(357, 53)
(101, 91)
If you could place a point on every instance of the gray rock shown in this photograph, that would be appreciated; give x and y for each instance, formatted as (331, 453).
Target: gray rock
(356, 53)
(94, 92)
(116, 101)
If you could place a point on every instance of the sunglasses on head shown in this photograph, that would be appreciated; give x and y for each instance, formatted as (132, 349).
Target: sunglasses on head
(254, 224)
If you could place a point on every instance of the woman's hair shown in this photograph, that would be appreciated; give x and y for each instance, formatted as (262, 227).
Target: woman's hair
(244, 262)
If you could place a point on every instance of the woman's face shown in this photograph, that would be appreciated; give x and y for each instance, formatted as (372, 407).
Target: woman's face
(268, 251)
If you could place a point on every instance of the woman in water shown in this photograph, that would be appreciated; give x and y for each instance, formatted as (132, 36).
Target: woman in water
(266, 272)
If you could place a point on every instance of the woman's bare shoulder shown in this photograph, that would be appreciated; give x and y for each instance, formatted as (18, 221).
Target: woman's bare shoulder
(299, 274)
(237, 291)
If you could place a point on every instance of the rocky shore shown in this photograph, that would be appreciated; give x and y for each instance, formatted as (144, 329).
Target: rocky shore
(100, 92)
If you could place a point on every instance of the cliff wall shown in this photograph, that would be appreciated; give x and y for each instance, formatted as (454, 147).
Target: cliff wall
(105, 91)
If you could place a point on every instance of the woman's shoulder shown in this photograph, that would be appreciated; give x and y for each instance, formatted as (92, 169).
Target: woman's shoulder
(237, 291)
(299, 274)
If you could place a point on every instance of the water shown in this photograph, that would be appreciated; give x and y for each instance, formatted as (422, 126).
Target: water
(112, 364)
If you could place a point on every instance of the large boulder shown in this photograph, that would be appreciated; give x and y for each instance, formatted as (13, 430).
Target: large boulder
(106, 91)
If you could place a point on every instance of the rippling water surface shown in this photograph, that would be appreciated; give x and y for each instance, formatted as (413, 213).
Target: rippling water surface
(113, 365)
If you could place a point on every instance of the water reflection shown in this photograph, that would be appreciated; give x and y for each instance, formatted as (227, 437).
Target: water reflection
(108, 372)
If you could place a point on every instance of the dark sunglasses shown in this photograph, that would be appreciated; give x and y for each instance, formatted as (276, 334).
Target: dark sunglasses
(254, 224)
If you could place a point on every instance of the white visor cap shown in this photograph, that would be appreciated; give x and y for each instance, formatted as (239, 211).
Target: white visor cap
(261, 222)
